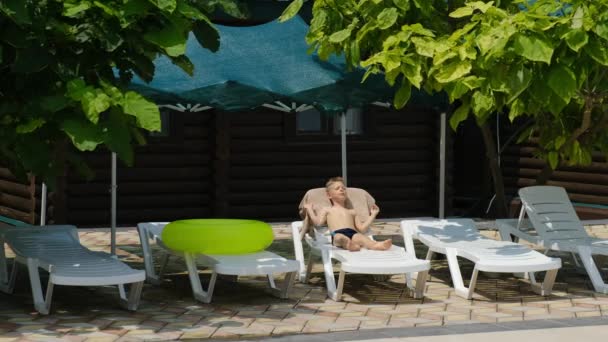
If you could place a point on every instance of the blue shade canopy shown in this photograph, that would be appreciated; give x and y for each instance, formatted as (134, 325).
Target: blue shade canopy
(261, 64)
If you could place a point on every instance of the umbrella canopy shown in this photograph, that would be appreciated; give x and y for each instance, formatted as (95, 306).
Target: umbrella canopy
(261, 64)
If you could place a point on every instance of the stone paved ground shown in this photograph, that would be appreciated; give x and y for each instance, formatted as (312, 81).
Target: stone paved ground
(244, 310)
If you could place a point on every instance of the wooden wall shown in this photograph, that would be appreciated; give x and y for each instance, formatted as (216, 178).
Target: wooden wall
(18, 198)
(586, 185)
(396, 163)
(247, 165)
(170, 179)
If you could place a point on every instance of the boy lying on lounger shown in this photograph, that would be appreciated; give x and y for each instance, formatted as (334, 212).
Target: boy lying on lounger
(343, 223)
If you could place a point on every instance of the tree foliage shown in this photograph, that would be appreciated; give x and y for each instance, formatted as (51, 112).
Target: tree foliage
(545, 59)
(65, 65)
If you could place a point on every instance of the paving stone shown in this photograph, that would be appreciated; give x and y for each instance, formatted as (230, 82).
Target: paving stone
(169, 312)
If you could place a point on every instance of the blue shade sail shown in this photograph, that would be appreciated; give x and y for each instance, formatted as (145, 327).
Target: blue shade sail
(262, 64)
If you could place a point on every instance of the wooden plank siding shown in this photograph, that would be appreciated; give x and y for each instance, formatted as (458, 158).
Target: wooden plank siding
(269, 173)
(18, 198)
(170, 178)
(248, 165)
(587, 186)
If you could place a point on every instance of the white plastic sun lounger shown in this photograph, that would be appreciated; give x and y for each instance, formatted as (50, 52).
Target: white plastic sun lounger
(393, 261)
(261, 263)
(557, 228)
(57, 250)
(460, 238)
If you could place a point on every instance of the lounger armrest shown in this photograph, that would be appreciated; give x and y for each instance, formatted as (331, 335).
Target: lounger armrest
(508, 227)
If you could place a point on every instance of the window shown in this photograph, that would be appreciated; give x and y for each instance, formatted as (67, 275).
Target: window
(311, 122)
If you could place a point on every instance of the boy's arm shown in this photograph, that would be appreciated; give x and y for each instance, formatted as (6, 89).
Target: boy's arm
(319, 219)
(363, 226)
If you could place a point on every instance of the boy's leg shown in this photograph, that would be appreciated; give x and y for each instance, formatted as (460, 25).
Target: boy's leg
(343, 241)
(368, 243)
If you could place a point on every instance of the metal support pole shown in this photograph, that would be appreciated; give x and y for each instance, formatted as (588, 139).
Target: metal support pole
(43, 198)
(113, 207)
(343, 145)
(442, 152)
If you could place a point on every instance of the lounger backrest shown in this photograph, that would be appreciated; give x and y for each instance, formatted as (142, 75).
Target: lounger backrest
(41, 242)
(551, 213)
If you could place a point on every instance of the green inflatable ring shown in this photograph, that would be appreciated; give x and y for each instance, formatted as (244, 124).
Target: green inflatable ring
(217, 236)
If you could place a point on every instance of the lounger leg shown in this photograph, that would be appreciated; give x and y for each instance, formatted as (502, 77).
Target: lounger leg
(546, 287)
(151, 276)
(3, 269)
(459, 287)
(288, 284)
(330, 281)
(586, 256)
(41, 304)
(7, 281)
(283, 292)
(195, 281)
(308, 268)
(340, 286)
(271, 281)
(134, 295)
(420, 284)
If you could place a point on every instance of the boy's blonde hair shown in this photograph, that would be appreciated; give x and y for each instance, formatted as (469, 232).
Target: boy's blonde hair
(333, 180)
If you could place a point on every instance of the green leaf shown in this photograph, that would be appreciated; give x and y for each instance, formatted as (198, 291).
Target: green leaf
(146, 112)
(16, 10)
(30, 126)
(482, 104)
(53, 103)
(516, 81)
(597, 51)
(462, 12)
(165, 5)
(553, 159)
(84, 135)
(73, 9)
(576, 39)
(517, 108)
(76, 88)
(387, 18)
(340, 36)
(562, 81)
(452, 71)
(291, 10)
(533, 48)
(403, 5)
(117, 136)
(456, 90)
(459, 115)
(184, 63)
(481, 6)
(94, 103)
(556, 104)
(577, 18)
(207, 35)
(170, 38)
(601, 30)
(424, 46)
(413, 73)
(190, 12)
(402, 95)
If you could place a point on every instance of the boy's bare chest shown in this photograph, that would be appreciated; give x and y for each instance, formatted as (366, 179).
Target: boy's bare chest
(340, 216)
